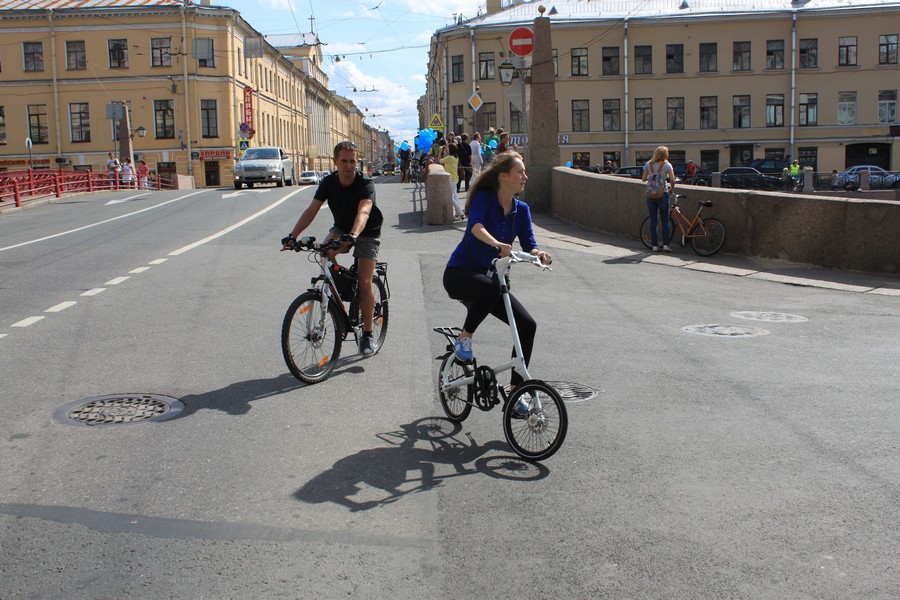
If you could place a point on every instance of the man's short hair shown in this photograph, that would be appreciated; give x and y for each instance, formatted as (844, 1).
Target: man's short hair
(341, 146)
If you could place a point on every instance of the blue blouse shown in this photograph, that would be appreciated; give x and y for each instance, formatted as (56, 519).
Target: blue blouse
(475, 255)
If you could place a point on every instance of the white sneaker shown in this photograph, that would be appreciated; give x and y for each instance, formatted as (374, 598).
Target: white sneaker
(667, 249)
(656, 248)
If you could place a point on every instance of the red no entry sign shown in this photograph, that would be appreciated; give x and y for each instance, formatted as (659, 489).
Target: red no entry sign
(521, 41)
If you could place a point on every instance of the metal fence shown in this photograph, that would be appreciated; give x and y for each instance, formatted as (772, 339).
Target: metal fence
(19, 187)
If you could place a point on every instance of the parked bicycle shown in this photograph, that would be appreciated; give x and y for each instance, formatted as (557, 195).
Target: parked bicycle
(319, 320)
(461, 385)
(707, 235)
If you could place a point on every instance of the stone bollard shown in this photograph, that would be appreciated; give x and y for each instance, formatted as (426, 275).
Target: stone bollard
(437, 195)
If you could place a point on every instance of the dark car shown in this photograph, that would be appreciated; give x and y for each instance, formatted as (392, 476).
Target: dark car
(749, 178)
(770, 166)
(634, 172)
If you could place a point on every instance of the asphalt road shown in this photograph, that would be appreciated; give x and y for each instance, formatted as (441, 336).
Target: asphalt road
(759, 461)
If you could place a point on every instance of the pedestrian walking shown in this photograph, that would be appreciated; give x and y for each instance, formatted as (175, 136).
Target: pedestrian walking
(477, 160)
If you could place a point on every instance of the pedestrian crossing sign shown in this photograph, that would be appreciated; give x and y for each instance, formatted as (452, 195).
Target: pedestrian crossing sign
(436, 122)
(243, 145)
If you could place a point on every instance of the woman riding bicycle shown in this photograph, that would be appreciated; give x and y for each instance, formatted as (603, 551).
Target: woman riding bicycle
(496, 218)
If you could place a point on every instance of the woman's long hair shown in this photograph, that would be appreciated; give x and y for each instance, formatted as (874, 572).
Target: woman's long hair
(490, 175)
(661, 154)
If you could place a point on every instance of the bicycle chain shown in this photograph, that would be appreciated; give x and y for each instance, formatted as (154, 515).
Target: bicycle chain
(486, 389)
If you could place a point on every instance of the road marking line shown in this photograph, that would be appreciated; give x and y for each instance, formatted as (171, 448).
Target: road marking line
(219, 234)
(61, 306)
(117, 280)
(27, 322)
(125, 199)
(55, 235)
(158, 261)
(139, 270)
(93, 292)
(3, 335)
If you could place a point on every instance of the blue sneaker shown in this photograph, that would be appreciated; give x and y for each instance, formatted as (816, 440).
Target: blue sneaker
(463, 349)
(522, 408)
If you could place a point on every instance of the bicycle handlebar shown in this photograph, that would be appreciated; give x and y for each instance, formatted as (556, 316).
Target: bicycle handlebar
(309, 244)
(517, 257)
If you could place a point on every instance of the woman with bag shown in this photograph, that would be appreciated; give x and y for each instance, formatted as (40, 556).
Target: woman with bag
(655, 173)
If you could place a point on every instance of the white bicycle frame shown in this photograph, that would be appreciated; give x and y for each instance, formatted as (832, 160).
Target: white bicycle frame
(502, 267)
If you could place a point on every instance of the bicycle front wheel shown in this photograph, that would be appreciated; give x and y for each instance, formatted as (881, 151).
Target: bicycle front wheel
(311, 337)
(456, 402)
(540, 433)
(648, 240)
(712, 242)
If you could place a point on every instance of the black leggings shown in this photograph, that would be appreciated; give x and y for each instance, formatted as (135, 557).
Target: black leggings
(481, 296)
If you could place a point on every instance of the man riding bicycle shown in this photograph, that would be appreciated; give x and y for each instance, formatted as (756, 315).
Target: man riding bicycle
(357, 222)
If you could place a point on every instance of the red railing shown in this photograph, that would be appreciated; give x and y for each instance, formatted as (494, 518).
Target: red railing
(30, 184)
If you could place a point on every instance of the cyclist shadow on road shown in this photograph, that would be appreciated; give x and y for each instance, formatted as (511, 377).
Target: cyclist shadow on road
(407, 466)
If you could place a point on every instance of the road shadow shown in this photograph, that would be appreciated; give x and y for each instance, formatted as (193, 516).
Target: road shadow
(410, 463)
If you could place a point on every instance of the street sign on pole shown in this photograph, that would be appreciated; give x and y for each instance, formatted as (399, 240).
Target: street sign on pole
(521, 41)
(475, 101)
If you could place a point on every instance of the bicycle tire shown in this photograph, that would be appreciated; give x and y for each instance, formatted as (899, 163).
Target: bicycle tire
(311, 345)
(648, 241)
(380, 316)
(455, 407)
(539, 435)
(712, 242)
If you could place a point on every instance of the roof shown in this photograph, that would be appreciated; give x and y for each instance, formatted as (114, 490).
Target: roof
(292, 40)
(72, 4)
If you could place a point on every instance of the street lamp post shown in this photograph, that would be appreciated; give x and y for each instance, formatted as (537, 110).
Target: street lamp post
(507, 72)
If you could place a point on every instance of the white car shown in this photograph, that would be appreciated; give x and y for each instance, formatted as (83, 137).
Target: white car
(264, 165)
(308, 178)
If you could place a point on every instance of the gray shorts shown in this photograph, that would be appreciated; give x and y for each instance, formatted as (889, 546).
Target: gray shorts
(365, 247)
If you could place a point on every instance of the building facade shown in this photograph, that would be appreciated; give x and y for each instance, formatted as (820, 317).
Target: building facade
(197, 80)
(718, 83)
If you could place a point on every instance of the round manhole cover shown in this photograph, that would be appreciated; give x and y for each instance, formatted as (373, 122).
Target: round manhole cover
(768, 317)
(573, 392)
(119, 409)
(720, 330)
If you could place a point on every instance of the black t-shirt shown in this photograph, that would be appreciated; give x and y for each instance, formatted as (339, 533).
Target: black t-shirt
(464, 150)
(344, 202)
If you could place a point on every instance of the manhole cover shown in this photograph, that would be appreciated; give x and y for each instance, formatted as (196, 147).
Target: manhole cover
(119, 409)
(769, 317)
(573, 392)
(720, 330)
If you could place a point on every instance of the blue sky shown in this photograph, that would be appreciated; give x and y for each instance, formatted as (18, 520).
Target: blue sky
(382, 44)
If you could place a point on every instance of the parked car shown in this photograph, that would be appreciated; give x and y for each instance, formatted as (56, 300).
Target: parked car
(769, 166)
(309, 178)
(264, 165)
(634, 172)
(878, 178)
(749, 178)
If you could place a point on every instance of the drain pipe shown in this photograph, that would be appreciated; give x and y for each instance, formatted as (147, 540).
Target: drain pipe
(55, 84)
(793, 80)
(626, 159)
(187, 96)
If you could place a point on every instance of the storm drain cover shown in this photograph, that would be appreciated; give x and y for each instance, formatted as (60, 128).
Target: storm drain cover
(720, 330)
(573, 392)
(769, 317)
(119, 409)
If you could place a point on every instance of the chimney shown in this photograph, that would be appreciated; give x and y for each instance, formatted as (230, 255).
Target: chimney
(494, 6)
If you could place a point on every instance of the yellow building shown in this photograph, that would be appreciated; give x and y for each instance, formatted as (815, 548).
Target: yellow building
(718, 82)
(197, 80)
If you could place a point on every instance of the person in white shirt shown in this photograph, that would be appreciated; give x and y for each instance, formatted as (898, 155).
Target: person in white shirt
(477, 161)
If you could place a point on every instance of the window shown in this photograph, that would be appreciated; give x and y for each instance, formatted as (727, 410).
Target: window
(485, 65)
(612, 115)
(555, 59)
(164, 118)
(809, 53)
(204, 52)
(808, 110)
(775, 110)
(579, 62)
(887, 106)
(2, 125)
(456, 69)
(775, 55)
(741, 51)
(674, 58)
(643, 60)
(37, 124)
(846, 108)
(581, 115)
(80, 122)
(488, 116)
(675, 113)
(709, 112)
(581, 159)
(458, 121)
(611, 60)
(847, 51)
(887, 49)
(516, 123)
(808, 157)
(678, 158)
(741, 106)
(76, 56)
(118, 54)
(709, 62)
(643, 114)
(161, 52)
(209, 119)
(34, 56)
(709, 161)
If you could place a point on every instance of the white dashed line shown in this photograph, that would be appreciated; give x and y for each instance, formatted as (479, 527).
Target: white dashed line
(93, 292)
(117, 280)
(61, 306)
(3, 335)
(139, 270)
(158, 261)
(27, 322)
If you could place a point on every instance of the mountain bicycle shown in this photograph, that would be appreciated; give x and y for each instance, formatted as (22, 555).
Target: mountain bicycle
(536, 435)
(319, 320)
(707, 235)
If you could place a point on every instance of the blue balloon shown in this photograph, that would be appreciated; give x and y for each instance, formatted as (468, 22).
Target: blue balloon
(569, 163)
(493, 143)
(404, 146)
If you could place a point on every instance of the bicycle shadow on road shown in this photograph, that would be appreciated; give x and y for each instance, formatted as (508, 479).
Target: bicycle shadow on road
(380, 476)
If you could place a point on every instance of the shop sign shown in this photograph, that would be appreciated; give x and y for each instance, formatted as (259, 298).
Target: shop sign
(216, 154)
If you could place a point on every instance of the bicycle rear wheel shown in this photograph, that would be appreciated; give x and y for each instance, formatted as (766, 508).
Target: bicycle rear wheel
(712, 242)
(311, 337)
(456, 402)
(540, 434)
(647, 240)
